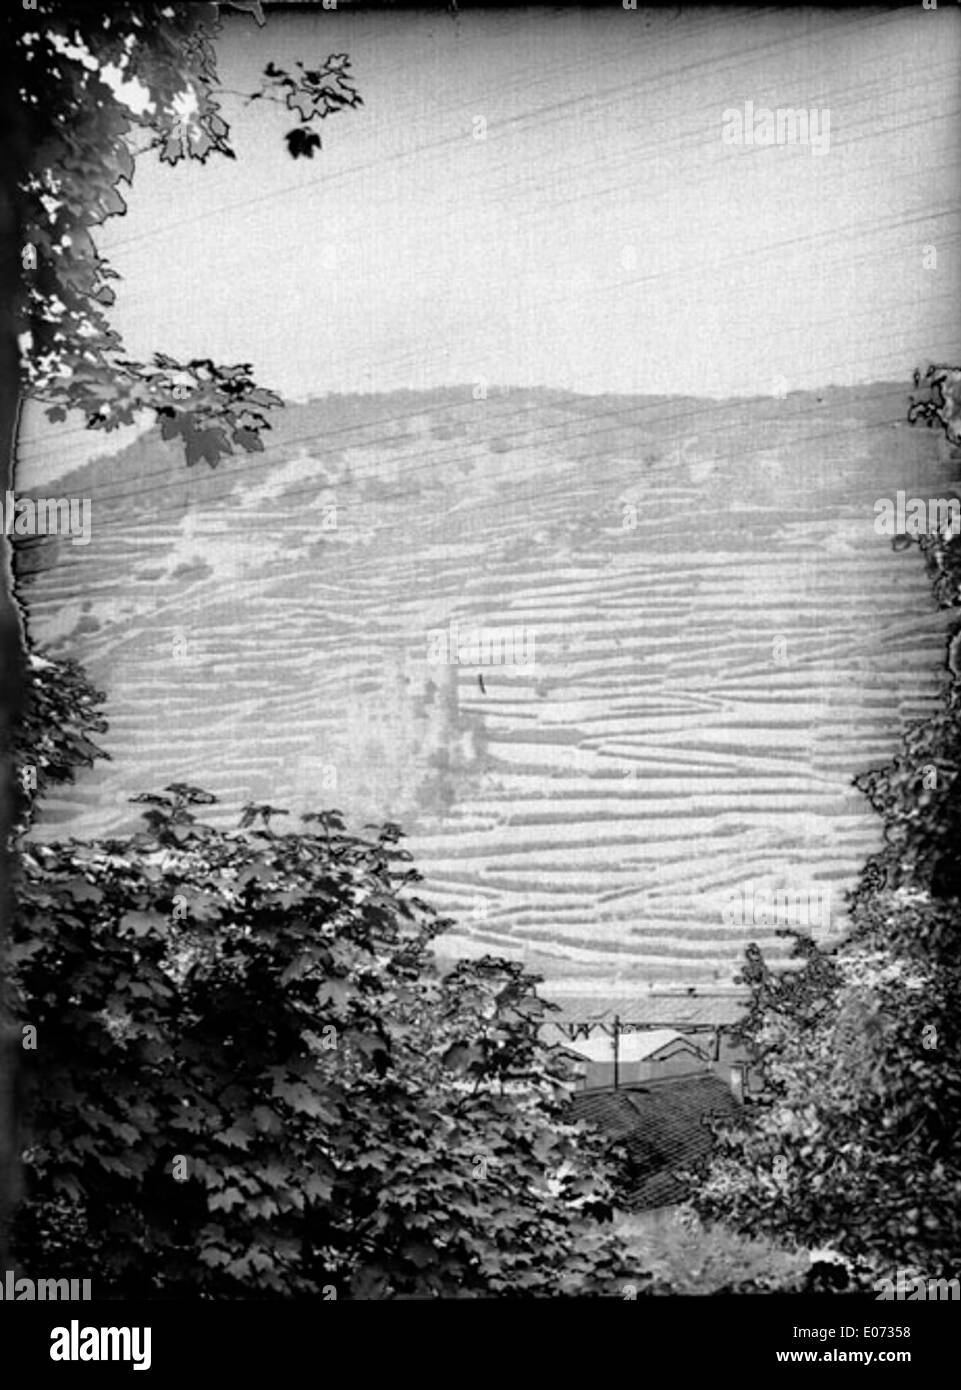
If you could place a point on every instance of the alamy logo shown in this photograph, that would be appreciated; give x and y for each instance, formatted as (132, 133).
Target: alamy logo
(76, 1343)
(787, 125)
(481, 646)
(24, 1290)
(794, 908)
(47, 516)
(913, 1288)
(917, 516)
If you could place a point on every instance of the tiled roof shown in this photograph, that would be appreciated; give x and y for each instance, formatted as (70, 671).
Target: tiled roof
(663, 1128)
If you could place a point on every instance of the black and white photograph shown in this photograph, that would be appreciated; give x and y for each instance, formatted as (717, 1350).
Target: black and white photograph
(481, 666)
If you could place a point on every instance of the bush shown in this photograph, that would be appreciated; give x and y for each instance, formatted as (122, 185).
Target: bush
(248, 1077)
(854, 1145)
(53, 736)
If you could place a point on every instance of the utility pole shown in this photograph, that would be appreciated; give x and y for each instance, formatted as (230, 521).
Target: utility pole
(617, 1051)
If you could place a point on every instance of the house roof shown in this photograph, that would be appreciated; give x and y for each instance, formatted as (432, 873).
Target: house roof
(662, 1127)
(631, 1047)
(721, 1009)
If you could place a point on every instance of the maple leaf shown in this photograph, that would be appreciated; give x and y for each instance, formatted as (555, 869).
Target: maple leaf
(302, 143)
(210, 443)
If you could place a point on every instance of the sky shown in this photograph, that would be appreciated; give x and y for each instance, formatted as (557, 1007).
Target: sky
(546, 197)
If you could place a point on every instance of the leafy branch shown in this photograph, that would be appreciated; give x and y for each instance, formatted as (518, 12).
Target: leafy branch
(314, 93)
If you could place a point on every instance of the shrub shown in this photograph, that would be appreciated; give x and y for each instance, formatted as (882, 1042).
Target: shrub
(249, 1076)
(854, 1145)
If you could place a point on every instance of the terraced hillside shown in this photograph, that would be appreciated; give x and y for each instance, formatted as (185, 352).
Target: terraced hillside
(720, 641)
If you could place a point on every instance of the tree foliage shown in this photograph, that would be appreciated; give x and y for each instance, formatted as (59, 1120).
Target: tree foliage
(89, 90)
(314, 93)
(241, 1071)
(101, 88)
(62, 713)
(249, 1077)
(854, 1144)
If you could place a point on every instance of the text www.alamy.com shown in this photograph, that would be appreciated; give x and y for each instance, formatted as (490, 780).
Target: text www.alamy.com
(862, 1358)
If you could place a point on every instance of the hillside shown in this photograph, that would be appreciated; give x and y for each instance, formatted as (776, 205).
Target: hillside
(721, 640)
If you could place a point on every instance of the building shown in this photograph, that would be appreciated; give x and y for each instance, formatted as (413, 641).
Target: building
(622, 1058)
(662, 1128)
(705, 1020)
(657, 1070)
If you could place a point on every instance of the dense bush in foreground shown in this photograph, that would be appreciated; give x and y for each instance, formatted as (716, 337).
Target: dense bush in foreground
(247, 1076)
(855, 1144)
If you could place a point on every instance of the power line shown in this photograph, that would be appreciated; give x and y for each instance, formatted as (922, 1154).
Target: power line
(397, 461)
(643, 279)
(667, 80)
(725, 262)
(590, 432)
(635, 87)
(872, 228)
